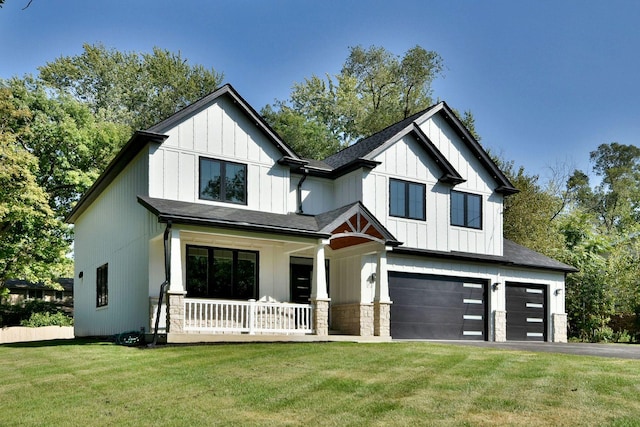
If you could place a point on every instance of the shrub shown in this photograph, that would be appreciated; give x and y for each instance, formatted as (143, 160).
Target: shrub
(47, 319)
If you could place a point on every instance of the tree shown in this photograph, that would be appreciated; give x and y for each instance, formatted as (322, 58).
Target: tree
(70, 144)
(33, 242)
(589, 296)
(529, 216)
(373, 90)
(616, 200)
(130, 88)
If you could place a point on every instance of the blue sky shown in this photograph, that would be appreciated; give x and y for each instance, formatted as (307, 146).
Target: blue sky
(547, 80)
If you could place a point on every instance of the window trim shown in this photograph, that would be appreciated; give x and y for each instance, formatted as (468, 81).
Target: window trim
(102, 286)
(210, 266)
(466, 220)
(407, 185)
(223, 173)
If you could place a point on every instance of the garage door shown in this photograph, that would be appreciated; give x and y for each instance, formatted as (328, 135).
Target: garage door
(526, 312)
(437, 307)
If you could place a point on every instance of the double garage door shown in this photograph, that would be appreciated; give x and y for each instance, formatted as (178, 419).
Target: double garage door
(450, 308)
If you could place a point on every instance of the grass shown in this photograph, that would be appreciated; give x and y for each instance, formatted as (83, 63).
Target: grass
(92, 383)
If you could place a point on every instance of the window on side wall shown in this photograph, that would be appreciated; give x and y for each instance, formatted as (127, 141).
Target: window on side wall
(102, 285)
(466, 210)
(407, 199)
(223, 181)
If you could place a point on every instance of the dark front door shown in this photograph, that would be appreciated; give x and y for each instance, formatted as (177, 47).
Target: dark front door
(301, 283)
(526, 312)
(437, 307)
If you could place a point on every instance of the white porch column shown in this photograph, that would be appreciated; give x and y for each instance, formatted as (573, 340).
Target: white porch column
(319, 296)
(319, 280)
(176, 292)
(382, 300)
(382, 278)
(176, 262)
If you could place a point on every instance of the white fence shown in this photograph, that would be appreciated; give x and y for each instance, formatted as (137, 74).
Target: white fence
(250, 317)
(23, 334)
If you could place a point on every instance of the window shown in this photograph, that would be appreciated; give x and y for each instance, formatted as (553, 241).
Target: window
(223, 181)
(59, 295)
(407, 199)
(102, 288)
(221, 273)
(466, 210)
(35, 294)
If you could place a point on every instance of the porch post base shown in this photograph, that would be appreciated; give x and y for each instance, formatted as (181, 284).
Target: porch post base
(175, 311)
(382, 319)
(559, 321)
(499, 326)
(353, 319)
(321, 315)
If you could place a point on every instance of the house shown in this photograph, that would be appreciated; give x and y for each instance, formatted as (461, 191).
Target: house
(22, 290)
(396, 236)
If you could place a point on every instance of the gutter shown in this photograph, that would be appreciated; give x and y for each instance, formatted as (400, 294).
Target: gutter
(167, 280)
(305, 172)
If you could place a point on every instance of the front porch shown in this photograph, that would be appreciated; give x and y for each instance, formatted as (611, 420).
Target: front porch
(227, 284)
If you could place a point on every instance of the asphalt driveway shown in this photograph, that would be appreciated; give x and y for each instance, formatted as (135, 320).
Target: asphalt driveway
(620, 351)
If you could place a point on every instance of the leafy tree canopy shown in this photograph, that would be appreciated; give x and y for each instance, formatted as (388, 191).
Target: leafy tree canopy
(374, 89)
(60, 130)
(33, 241)
(136, 89)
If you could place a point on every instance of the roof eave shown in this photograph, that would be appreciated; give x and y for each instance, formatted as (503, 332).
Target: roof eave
(131, 149)
(469, 257)
(227, 90)
(505, 186)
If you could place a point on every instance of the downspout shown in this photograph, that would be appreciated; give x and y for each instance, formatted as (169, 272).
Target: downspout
(299, 190)
(165, 284)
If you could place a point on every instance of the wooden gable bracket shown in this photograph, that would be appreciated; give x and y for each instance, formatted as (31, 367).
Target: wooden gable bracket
(357, 226)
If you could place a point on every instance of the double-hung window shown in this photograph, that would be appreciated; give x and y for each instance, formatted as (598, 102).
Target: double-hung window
(102, 285)
(221, 273)
(223, 181)
(466, 210)
(407, 199)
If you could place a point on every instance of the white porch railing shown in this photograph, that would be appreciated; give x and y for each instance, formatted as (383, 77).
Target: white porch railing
(205, 315)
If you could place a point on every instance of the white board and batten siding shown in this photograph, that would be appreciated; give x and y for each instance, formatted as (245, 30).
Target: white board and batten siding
(114, 230)
(220, 132)
(478, 181)
(407, 160)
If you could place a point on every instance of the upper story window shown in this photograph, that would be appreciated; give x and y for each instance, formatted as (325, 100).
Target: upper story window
(407, 199)
(466, 210)
(223, 181)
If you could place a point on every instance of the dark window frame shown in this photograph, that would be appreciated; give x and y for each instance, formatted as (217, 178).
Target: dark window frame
(211, 273)
(224, 197)
(467, 221)
(35, 294)
(102, 285)
(407, 199)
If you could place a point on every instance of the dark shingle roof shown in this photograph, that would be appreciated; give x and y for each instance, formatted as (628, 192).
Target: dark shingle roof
(365, 146)
(228, 217)
(65, 283)
(245, 219)
(513, 255)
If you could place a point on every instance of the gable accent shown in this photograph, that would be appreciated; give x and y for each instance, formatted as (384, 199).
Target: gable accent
(352, 225)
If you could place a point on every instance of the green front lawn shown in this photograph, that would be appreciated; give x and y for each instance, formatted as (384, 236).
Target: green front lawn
(90, 383)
